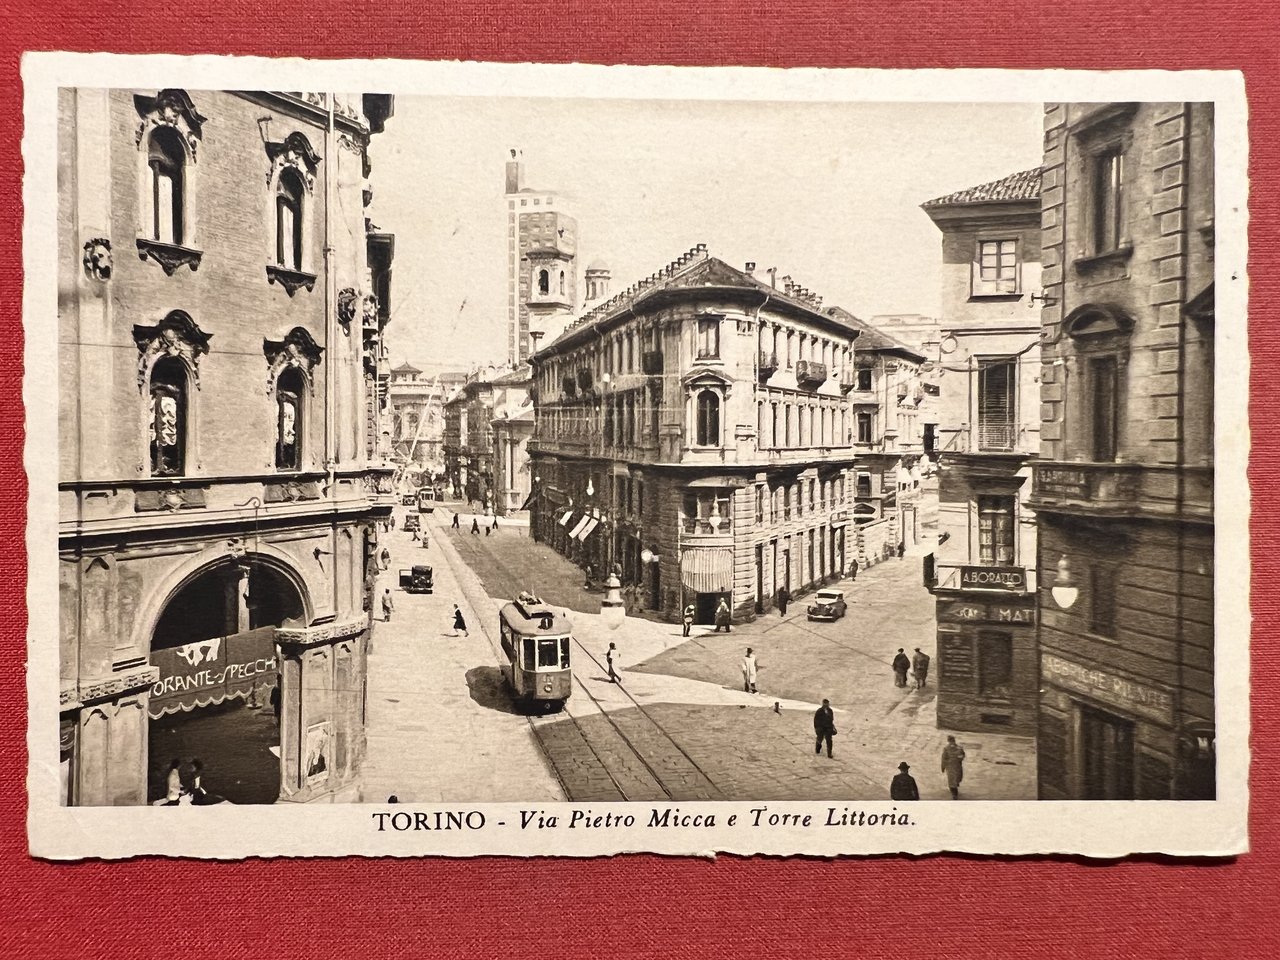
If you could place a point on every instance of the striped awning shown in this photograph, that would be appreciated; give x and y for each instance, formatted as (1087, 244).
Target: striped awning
(707, 569)
(587, 530)
(565, 519)
(580, 526)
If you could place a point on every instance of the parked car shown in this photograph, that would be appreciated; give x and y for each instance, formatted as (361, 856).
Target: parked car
(408, 499)
(827, 605)
(417, 579)
(412, 522)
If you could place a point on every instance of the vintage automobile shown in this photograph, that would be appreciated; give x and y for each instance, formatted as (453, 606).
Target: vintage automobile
(417, 579)
(412, 522)
(408, 499)
(827, 605)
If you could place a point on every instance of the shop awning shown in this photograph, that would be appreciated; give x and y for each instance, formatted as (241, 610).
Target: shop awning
(565, 518)
(210, 671)
(591, 525)
(580, 526)
(707, 569)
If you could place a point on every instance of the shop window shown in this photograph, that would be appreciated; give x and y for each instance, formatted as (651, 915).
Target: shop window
(708, 434)
(289, 193)
(168, 427)
(708, 347)
(1102, 601)
(995, 272)
(995, 664)
(167, 159)
(995, 530)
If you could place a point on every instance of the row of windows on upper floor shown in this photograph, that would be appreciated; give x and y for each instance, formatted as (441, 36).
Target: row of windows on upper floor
(168, 200)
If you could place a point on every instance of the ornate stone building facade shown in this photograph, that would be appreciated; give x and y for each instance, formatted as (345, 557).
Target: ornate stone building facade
(220, 339)
(512, 428)
(984, 570)
(695, 431)
(1123, 487)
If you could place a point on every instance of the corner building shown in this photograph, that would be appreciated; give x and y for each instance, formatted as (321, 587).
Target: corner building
(694, 430)
(984, 568)
(220, 477)
(1123, 487)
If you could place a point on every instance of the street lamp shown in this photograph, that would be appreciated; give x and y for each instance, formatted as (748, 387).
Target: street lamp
(1065, 592)
(613, 609)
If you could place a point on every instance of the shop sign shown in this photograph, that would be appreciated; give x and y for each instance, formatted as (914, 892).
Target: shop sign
(1151, 702)
(210, 671)
(1007, 579)
(1059, 482)
(965, 611)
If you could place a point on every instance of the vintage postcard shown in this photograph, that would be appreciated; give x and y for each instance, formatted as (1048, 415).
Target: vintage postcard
(457, 459)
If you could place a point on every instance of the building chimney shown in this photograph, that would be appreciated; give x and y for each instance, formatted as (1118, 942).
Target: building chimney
(515, 173)
(751, 266)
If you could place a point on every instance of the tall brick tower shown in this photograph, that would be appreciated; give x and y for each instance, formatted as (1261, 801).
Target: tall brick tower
(542, 269)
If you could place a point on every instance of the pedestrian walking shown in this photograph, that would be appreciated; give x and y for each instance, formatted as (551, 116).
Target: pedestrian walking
(904, 786)
(455, 522)
(495, 523)
(459, 622)
(824, 727)
(611, 660)
(590, 572)
(415, 531)
(853, 568)
(385, 557)
(424, 541)
(920, 668)
(475, 526)
(688, 618)
(722, 616)
(749, 668)
(902, 549)
(393, 521)
(784, 597)
(953, 766)
(388, 605)
(900, 667)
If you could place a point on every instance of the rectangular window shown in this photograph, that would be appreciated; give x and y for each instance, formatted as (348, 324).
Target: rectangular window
(1108, 195)
(864, 428)
(1102, 600)
(786, 503)
(995, 664)
(995, 530)
(997, 413)
(864, 378)
(863, 486)
(759, 504)
(996, 270)
(548, 652)
(1106, 398)
(709, 338)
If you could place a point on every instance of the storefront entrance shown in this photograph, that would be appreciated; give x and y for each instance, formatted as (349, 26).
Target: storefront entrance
(216, 705)
(1107, 756)
(705, 605)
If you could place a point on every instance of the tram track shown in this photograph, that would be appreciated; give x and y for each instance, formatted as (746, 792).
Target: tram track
(540, 723)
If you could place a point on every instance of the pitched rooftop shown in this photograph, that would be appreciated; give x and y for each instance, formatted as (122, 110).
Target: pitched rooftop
(1016, 186)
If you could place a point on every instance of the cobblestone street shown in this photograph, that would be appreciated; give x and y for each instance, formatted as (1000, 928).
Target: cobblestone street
(679, 726)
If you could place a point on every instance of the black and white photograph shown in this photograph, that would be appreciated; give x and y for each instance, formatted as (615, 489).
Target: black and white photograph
(670, 460)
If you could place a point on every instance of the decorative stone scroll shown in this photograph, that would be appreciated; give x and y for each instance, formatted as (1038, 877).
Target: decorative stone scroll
(295, 152)
(169, 499)
(169, 108)
(297, 349)
(177, 335)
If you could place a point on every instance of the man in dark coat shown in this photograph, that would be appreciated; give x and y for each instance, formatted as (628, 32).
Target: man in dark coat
(904, 785)
(475, 525)
(454, 525)
(920, 667)
(784, 597)
(900, 667)
(853, 568)
(824, 727)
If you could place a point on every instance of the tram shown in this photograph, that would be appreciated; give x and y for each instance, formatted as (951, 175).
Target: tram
(427, 500)
(536, 641)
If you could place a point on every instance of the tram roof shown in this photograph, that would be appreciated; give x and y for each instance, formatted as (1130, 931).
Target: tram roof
(528, 618)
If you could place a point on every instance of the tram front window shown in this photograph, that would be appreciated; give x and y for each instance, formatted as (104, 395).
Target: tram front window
(549, 653)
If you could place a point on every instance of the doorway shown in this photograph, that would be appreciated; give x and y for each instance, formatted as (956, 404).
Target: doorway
(1107, 756)
(705, 607)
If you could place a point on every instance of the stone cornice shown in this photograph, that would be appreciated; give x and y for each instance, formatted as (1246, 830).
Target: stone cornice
(108, 688)
(325, 633)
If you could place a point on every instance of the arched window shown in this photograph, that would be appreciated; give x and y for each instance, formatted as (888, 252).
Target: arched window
(290, 389)
(289, 193)
(168, 425)
(167, 158)
(708, 419)
(562, 281)
(544, 282)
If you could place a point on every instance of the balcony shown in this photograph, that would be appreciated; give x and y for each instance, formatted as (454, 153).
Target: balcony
(570, 385)
(585, 380)
(651, 363)
(1123, 490)
(811, 374)
(768, 365)
(997, 436)
(713, 526)
(847, 382)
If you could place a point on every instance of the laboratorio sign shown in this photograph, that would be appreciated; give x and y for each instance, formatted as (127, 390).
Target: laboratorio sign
(403, 821)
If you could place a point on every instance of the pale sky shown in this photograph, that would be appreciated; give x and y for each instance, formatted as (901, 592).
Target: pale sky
(828, 193)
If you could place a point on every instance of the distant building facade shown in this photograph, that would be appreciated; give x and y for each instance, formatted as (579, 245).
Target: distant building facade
(984, 567)
(220, 482)
(1123, 487)
(695, 431)
(468, 437)
(542, 264)
(512, 429)
(417, 407)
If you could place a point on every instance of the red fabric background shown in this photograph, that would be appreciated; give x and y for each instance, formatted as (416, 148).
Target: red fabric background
(938, 906)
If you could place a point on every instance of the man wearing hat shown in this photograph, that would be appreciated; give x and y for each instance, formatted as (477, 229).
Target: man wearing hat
(904, 785)
(824, 727)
